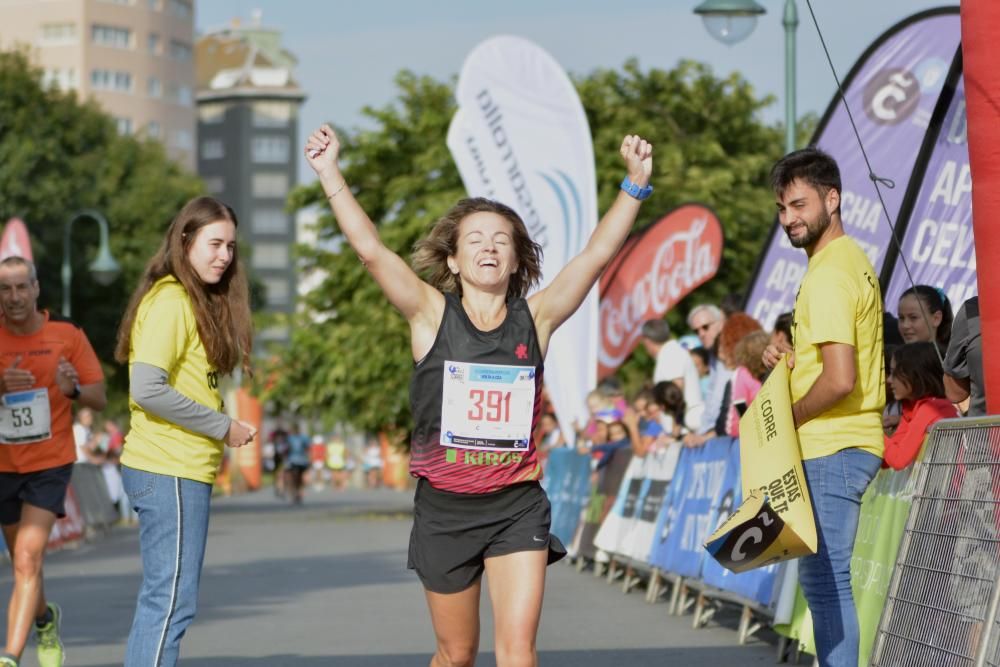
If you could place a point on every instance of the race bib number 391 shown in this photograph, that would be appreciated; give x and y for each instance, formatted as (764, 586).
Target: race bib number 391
(25, 417)
(487, 407)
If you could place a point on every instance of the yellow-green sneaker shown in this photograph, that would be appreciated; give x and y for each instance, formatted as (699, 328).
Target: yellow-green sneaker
(7, 661)
(50, 648)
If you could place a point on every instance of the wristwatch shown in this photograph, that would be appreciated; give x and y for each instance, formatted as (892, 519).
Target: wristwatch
(634, 190)
(76, 392)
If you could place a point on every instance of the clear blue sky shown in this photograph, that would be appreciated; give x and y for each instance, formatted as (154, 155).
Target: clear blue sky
(349, 52)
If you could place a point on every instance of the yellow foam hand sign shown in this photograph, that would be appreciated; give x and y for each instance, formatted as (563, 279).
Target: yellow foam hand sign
(775, 521)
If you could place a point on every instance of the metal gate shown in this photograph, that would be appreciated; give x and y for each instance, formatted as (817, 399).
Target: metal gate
(941, 608)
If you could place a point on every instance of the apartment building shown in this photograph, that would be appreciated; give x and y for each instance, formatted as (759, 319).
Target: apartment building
(134, 57)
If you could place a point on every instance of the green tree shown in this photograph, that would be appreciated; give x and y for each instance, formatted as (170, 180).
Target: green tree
(349, 359)
(57, 156)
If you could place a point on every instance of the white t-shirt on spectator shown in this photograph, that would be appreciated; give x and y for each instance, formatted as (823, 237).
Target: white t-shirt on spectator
(81, 435)
(673, 362)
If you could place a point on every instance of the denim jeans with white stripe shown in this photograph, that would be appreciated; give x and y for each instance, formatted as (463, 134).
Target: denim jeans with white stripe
(173, 527)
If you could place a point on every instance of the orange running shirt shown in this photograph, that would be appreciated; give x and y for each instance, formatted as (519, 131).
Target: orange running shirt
(39, 353)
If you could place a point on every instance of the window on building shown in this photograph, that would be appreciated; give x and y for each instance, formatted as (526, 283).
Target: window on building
(278, 291)
(270, 256)
(112, 36)
(124, 125)
(180, 51)
(55, 34)
(63, 79)
(211, 113)
(154, 44)
(180, 8)
(215, 185)
(270, 149)
(270, 185)
(212, 149)
(153, 130)
(106, 79)
(271, 114)
(270, 221)
(182, 139)
(154, 87)
(179, 94)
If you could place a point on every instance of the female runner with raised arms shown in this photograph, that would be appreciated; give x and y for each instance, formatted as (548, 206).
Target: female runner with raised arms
(479, 348)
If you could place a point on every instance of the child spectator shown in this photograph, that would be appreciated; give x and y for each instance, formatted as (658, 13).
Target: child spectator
(782, 334)
(670, 399)
(747, 378)
(917, 382)
(702, 363)
(925, 315)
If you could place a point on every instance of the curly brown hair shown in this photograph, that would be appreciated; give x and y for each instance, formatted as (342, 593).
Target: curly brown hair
(735, 327)
(430, 254)
(749, 353)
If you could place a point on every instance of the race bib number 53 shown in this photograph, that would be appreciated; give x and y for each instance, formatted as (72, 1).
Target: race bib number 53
(25, 417)
(487, 407)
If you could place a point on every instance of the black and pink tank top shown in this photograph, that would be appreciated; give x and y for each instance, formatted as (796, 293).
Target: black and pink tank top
(475, 400)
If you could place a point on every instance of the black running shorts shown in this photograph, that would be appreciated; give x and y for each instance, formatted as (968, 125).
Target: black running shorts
(45, 489)
(453, 533)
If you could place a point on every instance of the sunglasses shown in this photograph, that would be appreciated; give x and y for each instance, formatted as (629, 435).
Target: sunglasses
(704, 327)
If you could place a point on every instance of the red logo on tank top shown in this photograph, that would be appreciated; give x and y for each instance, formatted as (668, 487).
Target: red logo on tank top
(521, 351)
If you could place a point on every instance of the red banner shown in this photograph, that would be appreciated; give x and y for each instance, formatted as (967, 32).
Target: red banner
(15, 241)
(668, 260)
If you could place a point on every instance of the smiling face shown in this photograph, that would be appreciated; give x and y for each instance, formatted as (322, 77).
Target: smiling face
(912, 326)
(805, 214)
(485, 256)
(18, 293)
(212, 251)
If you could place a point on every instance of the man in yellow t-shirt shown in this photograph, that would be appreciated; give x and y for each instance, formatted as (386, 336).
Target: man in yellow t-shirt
(837, 387)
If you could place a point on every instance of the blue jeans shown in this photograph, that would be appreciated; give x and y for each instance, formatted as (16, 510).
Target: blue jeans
(173, 527)
(836, 485)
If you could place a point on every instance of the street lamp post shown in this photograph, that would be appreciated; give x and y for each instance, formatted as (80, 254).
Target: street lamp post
(731, 21)
(104, 268)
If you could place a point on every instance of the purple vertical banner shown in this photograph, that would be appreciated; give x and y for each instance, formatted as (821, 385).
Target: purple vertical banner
(938, 242)
(892, 91)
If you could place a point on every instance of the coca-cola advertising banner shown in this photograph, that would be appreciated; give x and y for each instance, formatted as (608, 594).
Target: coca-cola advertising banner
(892, 91)
(666, 262)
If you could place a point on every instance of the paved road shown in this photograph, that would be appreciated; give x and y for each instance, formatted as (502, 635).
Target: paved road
(326, 584)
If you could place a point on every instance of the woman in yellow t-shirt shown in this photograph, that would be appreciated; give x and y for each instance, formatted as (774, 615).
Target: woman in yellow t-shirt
(188, 322)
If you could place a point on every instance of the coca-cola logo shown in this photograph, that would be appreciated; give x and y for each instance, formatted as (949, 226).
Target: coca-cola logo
(673, 257)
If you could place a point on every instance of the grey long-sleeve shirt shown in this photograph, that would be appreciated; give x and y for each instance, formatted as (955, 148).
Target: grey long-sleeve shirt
(151, 391)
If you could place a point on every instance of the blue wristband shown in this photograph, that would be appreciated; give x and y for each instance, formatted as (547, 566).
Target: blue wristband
(635, 191)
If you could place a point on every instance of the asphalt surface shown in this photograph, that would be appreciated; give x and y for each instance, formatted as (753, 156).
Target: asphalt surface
(326, 584)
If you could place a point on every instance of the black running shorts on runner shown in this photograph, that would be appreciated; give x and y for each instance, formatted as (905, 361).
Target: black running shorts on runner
(453, 533)
(45, 489)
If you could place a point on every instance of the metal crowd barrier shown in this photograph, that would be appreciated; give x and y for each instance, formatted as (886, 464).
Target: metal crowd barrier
(99, 513)
(942, 604)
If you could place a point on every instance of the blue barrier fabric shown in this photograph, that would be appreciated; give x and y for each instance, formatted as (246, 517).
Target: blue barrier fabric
(756, 585)
(567, 483)
(690, 511)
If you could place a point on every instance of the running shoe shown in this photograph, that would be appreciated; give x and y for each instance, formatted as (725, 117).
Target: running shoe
(50, 647)
(7, 661)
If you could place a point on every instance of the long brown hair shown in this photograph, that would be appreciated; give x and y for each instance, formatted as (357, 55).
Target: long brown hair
(430, 255)
(221, 310)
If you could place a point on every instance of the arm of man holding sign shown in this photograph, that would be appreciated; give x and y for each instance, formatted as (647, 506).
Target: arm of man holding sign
(833, 384)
